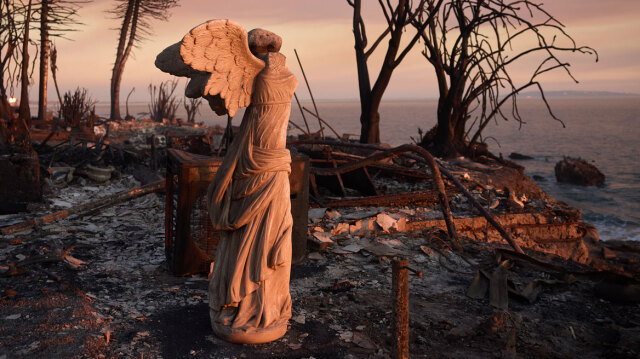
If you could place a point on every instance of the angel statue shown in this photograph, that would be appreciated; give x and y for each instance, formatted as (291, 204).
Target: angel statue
(248, 199)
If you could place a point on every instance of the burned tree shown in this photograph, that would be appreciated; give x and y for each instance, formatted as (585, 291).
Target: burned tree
(163, 103)
(25, 111)
(398, 16)
(19, 165)
(135, 26)
(8, 44)
(192, 107)
(77, 108)
(14, 32)
(57, 17)
(473, 47)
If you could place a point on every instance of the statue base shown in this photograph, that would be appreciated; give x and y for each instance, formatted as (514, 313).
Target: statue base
(258, 336)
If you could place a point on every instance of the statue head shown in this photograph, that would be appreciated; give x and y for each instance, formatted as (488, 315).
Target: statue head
(262, 41)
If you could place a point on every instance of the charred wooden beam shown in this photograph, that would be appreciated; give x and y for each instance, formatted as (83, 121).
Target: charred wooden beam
(81, 208)
(358, 179)
(427, 197)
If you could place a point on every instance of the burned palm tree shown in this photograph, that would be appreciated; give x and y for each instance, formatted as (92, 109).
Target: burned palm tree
(473, 47)
(14, 67)
(163, 103)
(77, 108)
(10, 39)
(135, 15)
(57, 18)
(192, 107)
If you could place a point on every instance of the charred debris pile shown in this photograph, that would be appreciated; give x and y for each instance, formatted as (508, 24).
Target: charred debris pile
(494, 264)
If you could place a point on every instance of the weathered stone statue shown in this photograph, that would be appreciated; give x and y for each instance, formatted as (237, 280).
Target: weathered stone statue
(248, 199)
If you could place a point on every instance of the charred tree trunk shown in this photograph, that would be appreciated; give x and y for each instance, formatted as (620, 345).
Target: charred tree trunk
(44, 61)
(5, 111)
(364, 83)
(448, 135)
(125, 43)
(370, 98)
(54, 68)
(389, 64)
(369, 123)
(25, 111)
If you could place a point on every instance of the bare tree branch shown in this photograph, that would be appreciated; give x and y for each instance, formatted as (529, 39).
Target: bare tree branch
(471, 47)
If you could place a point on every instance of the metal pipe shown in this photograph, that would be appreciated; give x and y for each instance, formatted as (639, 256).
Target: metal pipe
(400, 284)
(310, 93)
(302, 112)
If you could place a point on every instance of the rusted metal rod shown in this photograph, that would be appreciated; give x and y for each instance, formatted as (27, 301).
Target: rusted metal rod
(90, 206)
(302, 112)
(455, 181)
(400, 284)
(299, 128)
(323, 121)
(394, 199)
(310, 93)
(482, 210)
(387, 153)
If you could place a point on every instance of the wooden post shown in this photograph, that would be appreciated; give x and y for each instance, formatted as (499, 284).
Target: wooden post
(400, 276)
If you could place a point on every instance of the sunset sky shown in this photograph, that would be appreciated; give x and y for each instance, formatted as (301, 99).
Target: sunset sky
(322, 34)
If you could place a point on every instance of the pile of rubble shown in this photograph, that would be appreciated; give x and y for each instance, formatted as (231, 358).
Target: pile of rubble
(95, 283)
(110, 294)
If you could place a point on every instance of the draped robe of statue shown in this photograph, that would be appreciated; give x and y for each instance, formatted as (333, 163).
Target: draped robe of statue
(249, 201)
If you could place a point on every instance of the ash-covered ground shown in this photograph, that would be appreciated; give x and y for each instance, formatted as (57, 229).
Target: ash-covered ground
(98, 287)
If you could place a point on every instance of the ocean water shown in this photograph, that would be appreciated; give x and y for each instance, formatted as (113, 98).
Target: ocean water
(604, 131)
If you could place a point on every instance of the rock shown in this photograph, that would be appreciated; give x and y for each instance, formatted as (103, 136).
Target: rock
(322, 240)
(385, 222)
(352, 248)
(578, 171)
(362, 226)
(315, 256)
(316, 214)
(519, 156)
(363, 341)
(333, 214)
(346, 336)
(340, 228)
(539, 178)
(360, 214)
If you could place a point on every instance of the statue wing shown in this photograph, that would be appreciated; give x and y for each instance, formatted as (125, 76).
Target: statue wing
(221, 48)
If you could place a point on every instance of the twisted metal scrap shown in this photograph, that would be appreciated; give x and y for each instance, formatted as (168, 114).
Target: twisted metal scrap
(422, 156)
